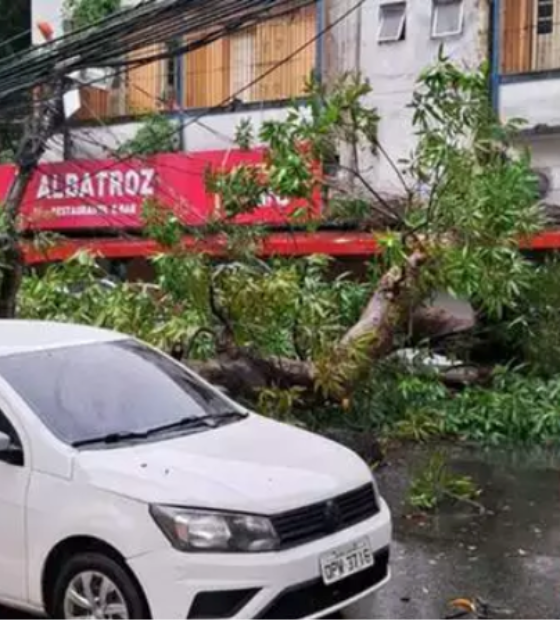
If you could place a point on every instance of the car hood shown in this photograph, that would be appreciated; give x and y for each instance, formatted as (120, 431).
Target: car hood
(252, 465)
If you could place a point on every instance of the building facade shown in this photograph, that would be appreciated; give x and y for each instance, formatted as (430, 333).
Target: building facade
(390, 42)
(228, 80)
(527, 82)
(256, 73)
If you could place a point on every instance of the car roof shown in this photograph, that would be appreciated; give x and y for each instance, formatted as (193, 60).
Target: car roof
(25, 336)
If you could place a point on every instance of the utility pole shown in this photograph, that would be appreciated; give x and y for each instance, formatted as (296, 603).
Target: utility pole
(39, 129)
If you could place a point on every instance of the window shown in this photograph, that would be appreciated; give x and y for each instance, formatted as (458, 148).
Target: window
(89, 391)
(545, 17)
(253, 60)
(447, 18)
(392, 17)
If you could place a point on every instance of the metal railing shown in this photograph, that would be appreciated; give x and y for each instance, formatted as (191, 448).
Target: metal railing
(249, 66)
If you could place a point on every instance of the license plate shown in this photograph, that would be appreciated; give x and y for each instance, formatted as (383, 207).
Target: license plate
(346, 561)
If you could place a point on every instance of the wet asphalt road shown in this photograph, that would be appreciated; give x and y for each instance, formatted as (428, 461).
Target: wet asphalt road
(509, 556)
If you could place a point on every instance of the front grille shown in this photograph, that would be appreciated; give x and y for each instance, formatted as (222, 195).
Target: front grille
(313, 597)
(303, 525)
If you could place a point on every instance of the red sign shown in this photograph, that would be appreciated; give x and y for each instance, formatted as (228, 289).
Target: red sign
(98, 194)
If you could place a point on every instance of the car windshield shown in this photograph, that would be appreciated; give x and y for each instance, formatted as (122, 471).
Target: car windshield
(85, 392)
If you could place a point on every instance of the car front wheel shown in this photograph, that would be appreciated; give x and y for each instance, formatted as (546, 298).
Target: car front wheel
(92, 585)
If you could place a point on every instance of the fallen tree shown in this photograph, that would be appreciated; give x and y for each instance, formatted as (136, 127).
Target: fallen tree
(289, 329)
(458, 235)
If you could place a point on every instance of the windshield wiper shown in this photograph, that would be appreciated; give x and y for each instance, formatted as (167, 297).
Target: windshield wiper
(207, 420)
(110, 438)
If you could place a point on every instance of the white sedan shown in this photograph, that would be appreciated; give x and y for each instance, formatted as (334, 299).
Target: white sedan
(131, 488)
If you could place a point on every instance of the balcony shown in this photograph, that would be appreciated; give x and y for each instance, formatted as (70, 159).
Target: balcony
(530, 62)
(214, 74)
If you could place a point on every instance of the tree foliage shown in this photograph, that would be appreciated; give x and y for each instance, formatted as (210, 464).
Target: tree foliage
(284, 331)
(157, 134)
(15, 24)
(469, 199)
(83, 13)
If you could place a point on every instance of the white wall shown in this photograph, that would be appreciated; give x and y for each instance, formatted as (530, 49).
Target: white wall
(213, 132)
(217, 131)
(393, 68)
(535, 101)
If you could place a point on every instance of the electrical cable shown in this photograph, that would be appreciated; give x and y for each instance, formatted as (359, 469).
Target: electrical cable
(13, 39)
(255, 81)
(12, 105)
(195, 119)
(33, 68)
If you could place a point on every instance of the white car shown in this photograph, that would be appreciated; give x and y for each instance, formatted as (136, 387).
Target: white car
(131, 488)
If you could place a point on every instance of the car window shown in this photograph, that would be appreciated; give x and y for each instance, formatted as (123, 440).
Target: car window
(88, 391)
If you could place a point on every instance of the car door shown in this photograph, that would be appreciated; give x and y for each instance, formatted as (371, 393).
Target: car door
(14, 480)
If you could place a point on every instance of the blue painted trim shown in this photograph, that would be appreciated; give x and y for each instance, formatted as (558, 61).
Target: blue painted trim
(550, 74)
(181, 92)
(180, 80)
(495, 55)
(320, 48)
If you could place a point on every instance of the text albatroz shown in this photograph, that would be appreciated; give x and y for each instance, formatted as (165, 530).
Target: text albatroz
(106, 183)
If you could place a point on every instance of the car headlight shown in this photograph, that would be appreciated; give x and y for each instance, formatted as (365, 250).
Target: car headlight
(206, 530)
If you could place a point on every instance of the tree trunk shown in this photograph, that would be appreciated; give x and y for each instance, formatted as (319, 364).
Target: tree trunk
(11, 281)
(244, 374)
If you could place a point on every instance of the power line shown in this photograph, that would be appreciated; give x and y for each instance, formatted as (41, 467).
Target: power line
(251, 84)
(137, 29)
(13, 39)
(312, 41)
(12, 106)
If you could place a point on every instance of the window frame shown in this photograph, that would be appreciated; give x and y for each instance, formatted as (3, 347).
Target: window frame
(402, 27)
(436, 4)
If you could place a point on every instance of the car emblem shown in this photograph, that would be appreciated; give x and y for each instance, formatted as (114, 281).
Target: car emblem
(333, 518)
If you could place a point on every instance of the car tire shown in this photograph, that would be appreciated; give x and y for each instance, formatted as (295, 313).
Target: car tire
(91, 576)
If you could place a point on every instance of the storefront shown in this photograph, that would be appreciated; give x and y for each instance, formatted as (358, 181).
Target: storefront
(99, 205)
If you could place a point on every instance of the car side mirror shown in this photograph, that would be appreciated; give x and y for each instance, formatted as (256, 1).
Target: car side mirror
(9, 452)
